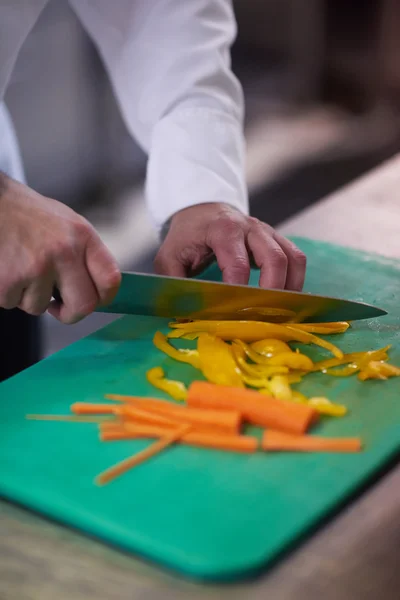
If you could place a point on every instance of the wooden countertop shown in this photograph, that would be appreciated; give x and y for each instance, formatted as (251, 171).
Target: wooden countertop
(355, 556)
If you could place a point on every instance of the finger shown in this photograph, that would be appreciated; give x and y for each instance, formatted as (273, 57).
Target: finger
(103, 269)
(297, 263)
(79, 295)
(166, 263)
(268, 256)
(227, 241)
(10, 296)
(36, 297)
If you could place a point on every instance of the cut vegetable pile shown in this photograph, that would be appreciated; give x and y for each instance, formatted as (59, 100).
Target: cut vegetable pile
(249, 369)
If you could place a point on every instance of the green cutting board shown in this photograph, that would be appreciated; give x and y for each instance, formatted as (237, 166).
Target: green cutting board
(205, 513)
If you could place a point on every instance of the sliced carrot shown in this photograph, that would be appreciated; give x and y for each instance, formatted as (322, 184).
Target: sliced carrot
(279, 441)
(128, 398)
(226, 421)
(256, 408)
(68, 418)
(169, 437)
(144, 416)
(234, 443)
(85, 408)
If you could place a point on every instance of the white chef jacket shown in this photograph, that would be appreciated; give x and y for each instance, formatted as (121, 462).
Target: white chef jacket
(169, 64)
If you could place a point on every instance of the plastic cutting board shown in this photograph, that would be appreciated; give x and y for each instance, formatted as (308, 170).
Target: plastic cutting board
(207, 514)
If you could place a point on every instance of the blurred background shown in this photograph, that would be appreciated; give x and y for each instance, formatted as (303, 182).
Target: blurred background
(322, 88)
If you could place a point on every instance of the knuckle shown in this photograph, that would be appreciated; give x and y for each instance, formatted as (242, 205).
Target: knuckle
(299, 258)
(64, 249)
(228, 226)
(241, 264)
(112, 279)
(82, 228)
(37, 268)
(278, 258)
(254, 222)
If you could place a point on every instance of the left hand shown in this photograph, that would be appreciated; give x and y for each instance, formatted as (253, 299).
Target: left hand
(199, 233)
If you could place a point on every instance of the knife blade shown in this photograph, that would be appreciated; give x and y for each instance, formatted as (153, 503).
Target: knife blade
(161, 296)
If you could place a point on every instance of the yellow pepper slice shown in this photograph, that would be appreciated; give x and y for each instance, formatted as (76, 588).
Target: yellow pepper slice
(295, 376)
(292, 360)
(324, 328)
(279, 387)
(187, 356)
(251, 331)
(326, 407)
(299, 397)
(256, 371)
(217, 362)
(389, 370)
(157, 378)
(354, 357)
(321, 404)
(269, 347)
(371, 371)
(183, 335)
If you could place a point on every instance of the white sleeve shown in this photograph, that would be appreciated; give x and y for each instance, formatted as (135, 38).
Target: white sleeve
(169, 63)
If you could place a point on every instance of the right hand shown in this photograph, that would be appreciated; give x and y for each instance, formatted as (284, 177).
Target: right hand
(43, 244)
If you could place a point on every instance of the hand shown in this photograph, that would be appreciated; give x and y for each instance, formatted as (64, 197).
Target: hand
(199, 233)
(43, 243)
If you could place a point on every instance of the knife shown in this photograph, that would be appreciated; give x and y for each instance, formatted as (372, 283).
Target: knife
(160, 296)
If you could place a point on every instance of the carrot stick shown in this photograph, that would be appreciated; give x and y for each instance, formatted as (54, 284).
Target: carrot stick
(256, 408)
(120, 468)
(224, 421)
(278, 441)
(86, 408)
(144, 416)
(233, 443)
(67, 418)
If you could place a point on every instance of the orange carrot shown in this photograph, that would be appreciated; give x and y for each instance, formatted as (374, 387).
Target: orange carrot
(144, 416)
(256, 408)
(224, 421)
(278, 441)
(68, 418)
(169, 437)
(233, 443)
(85, 408)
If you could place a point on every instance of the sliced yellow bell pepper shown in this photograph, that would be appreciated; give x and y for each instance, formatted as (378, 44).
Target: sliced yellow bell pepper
(389, 370)
(354, 357)
(279, 387)
(296, 376)
(251, 331)
(324, 328)
(176, 389)
(344, 371)
(182, 335)
(326, 407)
(321, 404)
(187, 356)
(217, 362)
(292, 360)
(269, 347)
(371, 370)
(255, 371)
(299, 397)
